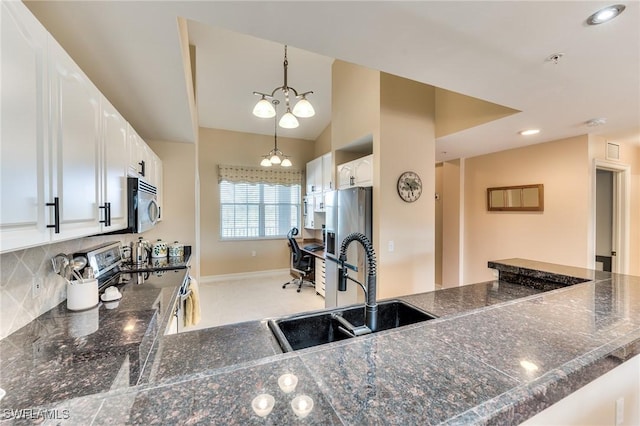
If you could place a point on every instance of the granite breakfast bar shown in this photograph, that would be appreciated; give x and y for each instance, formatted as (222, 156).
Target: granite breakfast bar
(465, 367)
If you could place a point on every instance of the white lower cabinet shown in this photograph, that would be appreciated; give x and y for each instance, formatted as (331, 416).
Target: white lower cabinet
(321, 274)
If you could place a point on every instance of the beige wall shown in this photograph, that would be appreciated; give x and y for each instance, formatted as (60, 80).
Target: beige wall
(179, 215)
(397, 117)
(227, 147)
(456, 112)
(438, 225)
(355, 104)
(323, 143)
(407, 142)
(452, 221)
(558, 235)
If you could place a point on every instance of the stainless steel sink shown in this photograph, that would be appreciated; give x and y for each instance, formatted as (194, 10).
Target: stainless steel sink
(318, 328)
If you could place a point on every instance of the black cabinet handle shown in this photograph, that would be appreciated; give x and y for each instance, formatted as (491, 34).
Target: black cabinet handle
(107, 214)
(142, 168)
(352, 180)
(56, 215)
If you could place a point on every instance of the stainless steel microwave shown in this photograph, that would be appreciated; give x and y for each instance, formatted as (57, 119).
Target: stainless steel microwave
(143, 210)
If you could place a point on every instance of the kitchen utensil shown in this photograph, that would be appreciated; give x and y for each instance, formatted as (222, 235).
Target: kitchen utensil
(65, 271)
(77, 265)
(140, 251)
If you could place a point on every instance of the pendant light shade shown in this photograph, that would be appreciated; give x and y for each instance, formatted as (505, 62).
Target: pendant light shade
(264, 109)
(288, 120)
(302, 108)
(275, 159)
(265, 162)
(286, 163)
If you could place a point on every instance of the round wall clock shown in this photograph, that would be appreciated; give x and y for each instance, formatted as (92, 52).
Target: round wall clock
(409, 186)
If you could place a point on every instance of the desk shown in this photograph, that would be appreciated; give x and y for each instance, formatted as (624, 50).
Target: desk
(320, 270)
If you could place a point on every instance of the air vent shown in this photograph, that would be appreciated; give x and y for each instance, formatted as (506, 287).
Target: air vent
(613, 151)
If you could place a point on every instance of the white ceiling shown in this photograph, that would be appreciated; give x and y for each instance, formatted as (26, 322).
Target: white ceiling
(494, 51)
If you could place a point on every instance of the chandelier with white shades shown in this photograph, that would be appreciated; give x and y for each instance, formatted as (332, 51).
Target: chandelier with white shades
(289, 120)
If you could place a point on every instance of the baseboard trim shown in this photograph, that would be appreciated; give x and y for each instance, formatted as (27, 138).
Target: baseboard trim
(242, 276)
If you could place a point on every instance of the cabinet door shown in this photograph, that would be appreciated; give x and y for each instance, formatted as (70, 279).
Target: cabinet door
(363, 171)
(23, 192)
(318, 203)
(75, 122)
(327, 175)
(345, 175)
(115, 160)
(157, 168)
(314, 176)
(137, 167)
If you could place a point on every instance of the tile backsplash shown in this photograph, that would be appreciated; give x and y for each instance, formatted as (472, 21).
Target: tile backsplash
(18, 271)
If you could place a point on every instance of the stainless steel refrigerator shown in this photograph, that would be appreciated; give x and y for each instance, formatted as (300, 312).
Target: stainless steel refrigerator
(347, 211)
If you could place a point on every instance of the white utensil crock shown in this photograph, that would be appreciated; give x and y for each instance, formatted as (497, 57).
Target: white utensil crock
(82, 295)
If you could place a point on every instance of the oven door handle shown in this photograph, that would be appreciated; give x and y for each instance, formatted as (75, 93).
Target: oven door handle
(184, 296)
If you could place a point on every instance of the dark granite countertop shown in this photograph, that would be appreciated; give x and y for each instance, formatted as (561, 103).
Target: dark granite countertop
(462, 368)
(65, 354)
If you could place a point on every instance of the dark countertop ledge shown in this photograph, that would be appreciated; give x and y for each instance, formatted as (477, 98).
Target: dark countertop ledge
(462, 368)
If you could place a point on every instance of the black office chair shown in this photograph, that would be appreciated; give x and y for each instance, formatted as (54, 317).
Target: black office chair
(302, 264)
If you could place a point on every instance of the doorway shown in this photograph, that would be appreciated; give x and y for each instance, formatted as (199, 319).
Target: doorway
(605, 249)
(611, 213)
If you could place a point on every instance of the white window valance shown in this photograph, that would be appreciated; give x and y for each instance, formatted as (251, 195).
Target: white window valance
(247, 174)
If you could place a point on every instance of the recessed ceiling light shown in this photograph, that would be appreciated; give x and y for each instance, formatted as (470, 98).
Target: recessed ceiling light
(530, 132)
(605, 15)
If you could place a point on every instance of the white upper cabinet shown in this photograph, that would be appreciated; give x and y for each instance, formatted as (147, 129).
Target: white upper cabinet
(24, 133)
(137, 165)
(319, 176)
(358, 172)
(314, 176)
(363, 171)
(76, 140)
(327, 175)
(115, 160)
(156, 179)
(65, 149)
(346, 179)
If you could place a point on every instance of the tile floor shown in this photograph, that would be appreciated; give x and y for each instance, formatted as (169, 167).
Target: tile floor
(254, 298)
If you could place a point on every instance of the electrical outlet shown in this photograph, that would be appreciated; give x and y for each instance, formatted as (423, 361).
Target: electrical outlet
(36, 286)
(391, 246)
(253, 253)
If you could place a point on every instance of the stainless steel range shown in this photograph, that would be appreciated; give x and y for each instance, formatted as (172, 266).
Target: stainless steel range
(105, 263)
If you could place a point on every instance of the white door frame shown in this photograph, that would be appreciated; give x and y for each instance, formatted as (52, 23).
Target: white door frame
(621, 213)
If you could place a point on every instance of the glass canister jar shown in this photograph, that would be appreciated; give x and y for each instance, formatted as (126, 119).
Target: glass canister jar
(159, 249)
(176, 249)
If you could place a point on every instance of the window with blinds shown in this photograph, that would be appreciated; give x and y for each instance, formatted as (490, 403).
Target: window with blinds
(252, 210)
